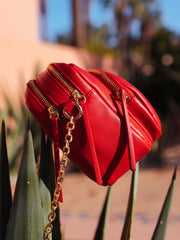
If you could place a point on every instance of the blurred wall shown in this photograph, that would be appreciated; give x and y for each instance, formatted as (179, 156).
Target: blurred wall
(22, 52)
(19, 20)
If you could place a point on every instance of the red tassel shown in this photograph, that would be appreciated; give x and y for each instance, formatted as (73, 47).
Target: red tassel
(56, 150)
(61, 197)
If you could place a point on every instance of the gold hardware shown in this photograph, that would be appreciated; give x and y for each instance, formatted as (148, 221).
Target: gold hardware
(53, 112)
(63, 163)
(118, 96)
(77, 96)
(127, 98)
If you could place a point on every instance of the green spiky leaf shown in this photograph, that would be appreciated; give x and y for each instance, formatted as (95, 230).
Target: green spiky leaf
(26, 218)
(5, 188)
(101, 228)
(126, 233)
(160, 230)
(46, 203)
(46, 170)
(47, 182)
(50, 166)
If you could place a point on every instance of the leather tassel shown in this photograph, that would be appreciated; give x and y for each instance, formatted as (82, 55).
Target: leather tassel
(56, 150)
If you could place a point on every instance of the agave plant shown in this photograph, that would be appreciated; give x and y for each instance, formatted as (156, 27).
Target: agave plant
(16, 119)
(27, 215)
(32, 197)
(15, 134)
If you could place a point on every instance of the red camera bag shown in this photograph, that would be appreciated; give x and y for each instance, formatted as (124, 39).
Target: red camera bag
(115, 125)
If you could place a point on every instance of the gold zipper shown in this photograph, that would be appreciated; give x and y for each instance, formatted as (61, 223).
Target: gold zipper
(53, 111)
(108, 82)
(77, 96)
(59, 76)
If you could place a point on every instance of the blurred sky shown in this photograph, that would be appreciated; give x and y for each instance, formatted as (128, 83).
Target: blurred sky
(60, 16)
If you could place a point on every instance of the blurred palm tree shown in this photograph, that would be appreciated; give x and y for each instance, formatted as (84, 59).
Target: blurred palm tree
(80, 13)
(44, 20)
(80, 25)
(137, 24)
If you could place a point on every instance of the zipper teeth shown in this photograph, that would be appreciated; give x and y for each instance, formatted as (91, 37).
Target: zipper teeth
(107, 80)
(41, 96)
(59, 76)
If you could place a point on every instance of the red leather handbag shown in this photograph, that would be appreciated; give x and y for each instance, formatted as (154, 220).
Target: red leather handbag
(115, 125)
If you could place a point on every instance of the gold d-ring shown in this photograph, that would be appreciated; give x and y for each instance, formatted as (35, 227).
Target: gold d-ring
(79, 112)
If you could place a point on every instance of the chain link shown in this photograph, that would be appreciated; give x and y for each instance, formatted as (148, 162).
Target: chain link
(59, 183)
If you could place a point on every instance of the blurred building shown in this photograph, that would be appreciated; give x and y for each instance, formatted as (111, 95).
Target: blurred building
(19, 20)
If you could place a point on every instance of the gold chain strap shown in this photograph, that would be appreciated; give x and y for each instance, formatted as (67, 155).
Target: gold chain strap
(66, 150)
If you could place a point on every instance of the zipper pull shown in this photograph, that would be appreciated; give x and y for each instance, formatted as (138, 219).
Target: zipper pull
(77, 96)
(53, 112)
(119, 96)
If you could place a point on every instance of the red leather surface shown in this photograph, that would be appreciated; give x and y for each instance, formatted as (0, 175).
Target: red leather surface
(100, 146)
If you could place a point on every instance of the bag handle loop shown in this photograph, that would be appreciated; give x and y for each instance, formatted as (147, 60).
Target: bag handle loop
(92, 146)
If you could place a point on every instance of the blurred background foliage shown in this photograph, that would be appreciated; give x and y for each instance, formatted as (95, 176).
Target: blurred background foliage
(16, 124)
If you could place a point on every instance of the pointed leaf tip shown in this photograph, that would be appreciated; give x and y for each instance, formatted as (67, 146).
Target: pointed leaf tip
(101, 228)
(28, 125)
(174, 175)
(27, 206)
(3, 126)
(126, 232)
(161, 226)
